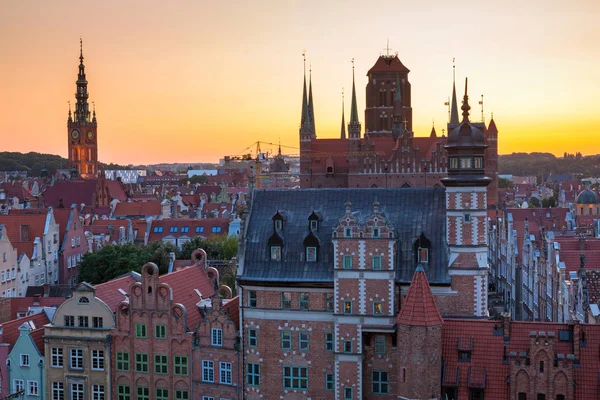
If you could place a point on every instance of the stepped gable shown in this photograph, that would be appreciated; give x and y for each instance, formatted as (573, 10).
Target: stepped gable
(419, 308)
(412, 212)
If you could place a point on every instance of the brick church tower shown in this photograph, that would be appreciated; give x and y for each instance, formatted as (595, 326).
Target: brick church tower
(82, 130)
(466, 204)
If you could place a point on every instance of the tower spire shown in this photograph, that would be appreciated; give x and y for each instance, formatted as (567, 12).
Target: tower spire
(311, 108)
(465, 107)
(354, 124)
(70, 118)
(304, 120)
(82, 112)
(343, 130)
(454, 106)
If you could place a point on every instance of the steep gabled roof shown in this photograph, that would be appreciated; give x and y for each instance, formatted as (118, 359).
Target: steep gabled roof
(109, 291)
(388, 64)
(138, 209)
(10, 329)
(419, 308)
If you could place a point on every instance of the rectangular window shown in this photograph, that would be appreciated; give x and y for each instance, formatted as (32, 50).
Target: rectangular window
(376, 262)
(311, 254)
(328, 301)
(252, 338)
(466, 162)
(328, 341)
(216, 337)
(286, 340)
(329, 382)
(464, 355)
(379, 344)
(347, 346)
(348, 307)
(225, 373)
(478, 162)
(347, 262)
(18, 385)
(303, 301)
(76, 391)
(286, 300)
(98, 392)
(423, 255)
(375, 233)
(181, 394)
(141, 362)
(58, 391)
(84, 321)
(314, 225)
(379, 382)
(140, 330)
(467, 217)
(122, 361)
(76, 358)
(160, 331)
(24, 360)
(32, 388)
(143, 393)
(199, 229)
(185, 229)
(161, 364)
(276, 253)
(181, 365)
(216, 229)
(57, 357)
(98, 360)
(347, 393)
(278, 224)
(97, 322)
(453, 162)
(253, 374)
(208, 371)
(162, 393)
(123, 392)
(173, 229)
(69, 320)
(348, 232)
(252, 298)
(295, 378)
(303, 340)
(377, 308)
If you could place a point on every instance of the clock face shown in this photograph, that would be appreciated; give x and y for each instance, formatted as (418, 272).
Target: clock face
(74, 134)
(90, 135)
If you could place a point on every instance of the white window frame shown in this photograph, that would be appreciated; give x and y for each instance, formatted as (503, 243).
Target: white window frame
(208, 371)
(76, 388)
(18, 385)
(25, 361)
(74, 355)
(216, 337)
(275, 253)
(225, 373)
(98, 360)
(58, 391)
(98, 392)
(311, 253)
(33, 388)
(57, 357)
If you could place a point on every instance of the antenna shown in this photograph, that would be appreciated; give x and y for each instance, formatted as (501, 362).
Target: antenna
(481, 104)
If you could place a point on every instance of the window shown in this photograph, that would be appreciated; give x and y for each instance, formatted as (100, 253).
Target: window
(76, 391)
(347, 393)
(476, 394)
(466, 162)
(328, 301)
(199, 229)
(347, 346)
(560, 397)
(379, 382)
(181, 365)
(303, 340)
(303, 301)
(478, 162)
(24, 360)
(216, 229)
(76, 359)
(141, 362)
(143, 393)
(329, 382)
(286, 340)
(185, 229)
(252, 338)
(541, 396)
(84, 321)
(162, 393)
(311, 254)
(347, 262)
(328, 341)
(348, 307)
(208, 371)
(122, 361)
(253, 374)
(57, 357)
(181, 394)
(216, 337)
(467, 217)
(225, 373)
(123, 392)
(541, 367)
(522, 396)
(295, 378)
(158, 229)
(375, 233)
(32, 388)
(97, 322)
(98, 360)
(252, 298)
(18, 385)
(160, 331)
(464, 355)
(276, 253)
(58, 391)
(140, 330)
(314, 225)
(376, 262)
(286, 300)
(98, 392)
(377, 308)
(161, 364)
(278, 224)
(348, 232)
(423, 255)
(84, 300)
(379, 344)
(173, 229)
(69, 320)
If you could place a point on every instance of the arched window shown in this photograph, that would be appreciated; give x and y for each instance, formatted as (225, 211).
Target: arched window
(84, 300)
(422, 249)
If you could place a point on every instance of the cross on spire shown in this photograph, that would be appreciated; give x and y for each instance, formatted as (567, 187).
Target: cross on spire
(387, 49)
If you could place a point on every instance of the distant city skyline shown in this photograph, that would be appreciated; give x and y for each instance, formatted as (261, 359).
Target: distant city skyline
(193, 82)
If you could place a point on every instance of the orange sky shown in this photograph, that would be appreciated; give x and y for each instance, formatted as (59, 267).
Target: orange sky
(191, 81)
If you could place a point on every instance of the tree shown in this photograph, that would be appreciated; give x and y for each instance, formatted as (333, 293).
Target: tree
(220, 247)
(534, 202)
(504, 183)
(549, 202)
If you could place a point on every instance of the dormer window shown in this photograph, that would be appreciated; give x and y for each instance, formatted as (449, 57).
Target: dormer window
(314, 225)
(422, 248)
(375, 233)
(275, 246)
(313, 222)
(423, 255)
(311, 247)
(311, 254)
(278, 221)
(275, 253)
(278, 224)
(348, 232)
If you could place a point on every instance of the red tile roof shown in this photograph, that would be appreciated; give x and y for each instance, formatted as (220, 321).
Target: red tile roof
(138, 209)
(116, 190)
(419, 308)
(385, 64)
(10, 329)
(71, 192)
(208, 190)
(61, 215)
(13, 222)
(38, 338)
(109, 291)
(232, 307)
(22, 304)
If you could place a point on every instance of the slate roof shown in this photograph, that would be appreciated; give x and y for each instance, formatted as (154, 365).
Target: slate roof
(410, 211)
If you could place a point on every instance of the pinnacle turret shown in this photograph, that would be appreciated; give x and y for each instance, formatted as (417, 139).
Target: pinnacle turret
(82, 108)
(354, 124)
(343, 129)
(311, 108)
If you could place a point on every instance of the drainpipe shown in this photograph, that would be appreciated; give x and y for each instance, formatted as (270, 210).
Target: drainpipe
(41, 387)
(241, 348)
(191, 361)
(108, 364)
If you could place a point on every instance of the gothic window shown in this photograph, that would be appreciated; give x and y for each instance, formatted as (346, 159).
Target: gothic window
(381, 97)
(422, 249)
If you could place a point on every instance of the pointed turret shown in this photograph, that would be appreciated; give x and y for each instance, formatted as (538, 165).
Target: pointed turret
(433, 133)
(305, 118)
(492, 130)
(343, 129)
(454, 105)
(419, 308)
(70, 119)
(354, 124)
(311, 108)
(82, 108)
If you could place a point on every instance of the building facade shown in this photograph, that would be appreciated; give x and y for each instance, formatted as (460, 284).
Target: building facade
(26, 364)
(9, 266)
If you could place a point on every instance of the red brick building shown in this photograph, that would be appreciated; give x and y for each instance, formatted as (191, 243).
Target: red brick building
(388, 154)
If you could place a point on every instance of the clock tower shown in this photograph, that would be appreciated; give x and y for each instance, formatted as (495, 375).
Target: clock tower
(82, 129)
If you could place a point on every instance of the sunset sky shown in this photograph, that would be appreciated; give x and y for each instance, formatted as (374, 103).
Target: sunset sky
(192, 81)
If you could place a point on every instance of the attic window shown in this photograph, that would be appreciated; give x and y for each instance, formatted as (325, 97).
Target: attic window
(276, 253)
(173, 229)
(199, 229)
(311, 254)
(422, 248)
(314, 225)
(278, 224)
(375, 233)
(84, 300)
(278, 221)
(348, 232)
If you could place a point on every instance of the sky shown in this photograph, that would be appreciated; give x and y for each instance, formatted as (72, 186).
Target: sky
(193, 81)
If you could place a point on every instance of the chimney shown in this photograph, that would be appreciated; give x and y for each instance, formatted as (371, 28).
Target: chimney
(506, 325)
(576, 338)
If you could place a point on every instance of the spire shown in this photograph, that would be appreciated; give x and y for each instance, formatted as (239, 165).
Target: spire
(70, 117)
(304, 120)
(419, 308)
(465, 107)
(354, 124)
(311, 108)
(82, 113)
(94, 112)
(433, 132)
(343, 130)
(454, 106)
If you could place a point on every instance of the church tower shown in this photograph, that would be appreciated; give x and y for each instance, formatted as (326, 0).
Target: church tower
(466, 212)
(82, 129)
